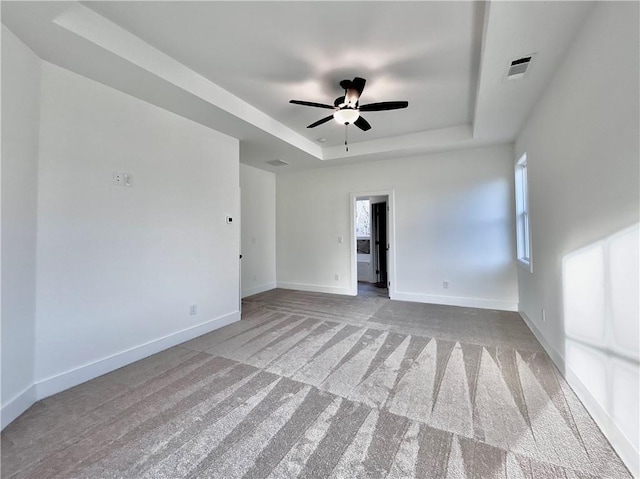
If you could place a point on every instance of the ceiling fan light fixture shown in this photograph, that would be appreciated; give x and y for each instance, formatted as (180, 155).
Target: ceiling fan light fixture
(346, 116)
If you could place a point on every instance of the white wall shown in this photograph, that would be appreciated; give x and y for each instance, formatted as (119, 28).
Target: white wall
(20, 113)
(453, 220)
(582, 148)
(258, 230)
(118, 267)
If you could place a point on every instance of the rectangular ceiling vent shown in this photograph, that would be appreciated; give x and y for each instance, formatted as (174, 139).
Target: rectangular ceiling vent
(277, 163)
(519, 67)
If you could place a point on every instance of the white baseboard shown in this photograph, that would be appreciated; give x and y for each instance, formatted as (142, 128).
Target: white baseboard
(17, 406)
(455, 301)
(258, 289)
(314, 288)
(71, 378)
(618, 440)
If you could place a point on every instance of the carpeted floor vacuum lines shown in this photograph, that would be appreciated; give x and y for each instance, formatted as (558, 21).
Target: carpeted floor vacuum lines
(319, 386)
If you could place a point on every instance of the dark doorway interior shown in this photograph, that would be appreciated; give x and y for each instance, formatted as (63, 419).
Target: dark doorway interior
(380, 246)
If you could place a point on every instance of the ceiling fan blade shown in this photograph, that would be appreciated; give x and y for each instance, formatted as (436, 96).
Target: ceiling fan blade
(320, 122)
(358, 84)
(346, 84)
(362, 124)
(310, 103)
(385, 105)
(339, 101)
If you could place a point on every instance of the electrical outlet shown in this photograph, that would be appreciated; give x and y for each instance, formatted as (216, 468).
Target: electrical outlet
(193, 309)
(122, 179)
(337, 277)
(445, 284)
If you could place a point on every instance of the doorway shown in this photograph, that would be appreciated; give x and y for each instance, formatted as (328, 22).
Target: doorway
(372, 244)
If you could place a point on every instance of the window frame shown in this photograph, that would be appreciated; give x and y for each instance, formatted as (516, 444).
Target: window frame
(523, 214)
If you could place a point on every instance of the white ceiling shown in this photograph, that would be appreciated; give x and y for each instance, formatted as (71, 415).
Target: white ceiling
(234, 66)
(268, 53)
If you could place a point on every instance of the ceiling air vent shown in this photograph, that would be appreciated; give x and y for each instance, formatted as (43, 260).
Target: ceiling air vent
(519, 67)
(277, 163)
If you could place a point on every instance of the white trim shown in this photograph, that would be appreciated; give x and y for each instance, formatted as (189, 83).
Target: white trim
(616, 437)
(16, 406)
(526, 264)
(494, 304)
(528, 260)
(316, 288)
(258, 289)
(353, 243)
(60, 382)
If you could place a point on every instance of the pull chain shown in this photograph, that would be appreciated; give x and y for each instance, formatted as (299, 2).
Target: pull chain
(346, 137)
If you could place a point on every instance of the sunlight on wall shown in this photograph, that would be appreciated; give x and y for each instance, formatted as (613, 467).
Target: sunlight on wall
(601, 316)
(584, 294)
(623, 276)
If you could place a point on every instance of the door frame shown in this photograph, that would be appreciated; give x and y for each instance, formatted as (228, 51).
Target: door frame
(391, 238)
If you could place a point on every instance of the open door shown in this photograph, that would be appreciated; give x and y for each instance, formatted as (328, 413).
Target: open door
(380, 244)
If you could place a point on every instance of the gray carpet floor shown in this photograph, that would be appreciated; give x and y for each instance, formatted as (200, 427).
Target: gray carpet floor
(322, 386)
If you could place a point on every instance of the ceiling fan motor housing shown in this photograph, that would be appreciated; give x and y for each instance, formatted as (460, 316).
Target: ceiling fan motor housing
(351, 97)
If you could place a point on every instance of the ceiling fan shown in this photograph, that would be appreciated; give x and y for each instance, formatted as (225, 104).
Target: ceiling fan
(347, 108)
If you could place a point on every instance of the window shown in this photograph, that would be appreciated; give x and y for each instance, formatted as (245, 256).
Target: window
(523, 233)
(363, 218)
